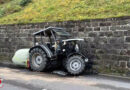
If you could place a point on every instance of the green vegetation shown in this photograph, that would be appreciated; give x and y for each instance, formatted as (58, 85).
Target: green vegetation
(12, 12)
(9, 7)
(24, 2)
(4, 1)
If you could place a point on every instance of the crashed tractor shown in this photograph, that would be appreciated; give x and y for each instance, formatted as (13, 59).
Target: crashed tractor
(59, 50)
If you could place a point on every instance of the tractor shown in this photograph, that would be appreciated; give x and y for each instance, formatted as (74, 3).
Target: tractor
(53, 46)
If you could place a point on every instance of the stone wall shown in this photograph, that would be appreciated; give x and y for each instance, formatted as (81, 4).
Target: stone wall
(107, 39)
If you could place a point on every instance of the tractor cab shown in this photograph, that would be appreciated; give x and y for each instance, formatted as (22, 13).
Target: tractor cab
(51, 36)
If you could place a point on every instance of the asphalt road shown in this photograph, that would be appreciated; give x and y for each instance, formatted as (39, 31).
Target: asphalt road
(23, 79)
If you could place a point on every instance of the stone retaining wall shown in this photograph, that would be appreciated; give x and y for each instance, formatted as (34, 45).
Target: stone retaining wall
(107, 39)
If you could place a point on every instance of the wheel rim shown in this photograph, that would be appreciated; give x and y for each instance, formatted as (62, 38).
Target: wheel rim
(75, 65)
(37, 60)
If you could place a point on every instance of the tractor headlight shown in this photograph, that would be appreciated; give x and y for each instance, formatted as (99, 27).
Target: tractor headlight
(36, 43)
(86, 60)
(63, 50)
(76, 48)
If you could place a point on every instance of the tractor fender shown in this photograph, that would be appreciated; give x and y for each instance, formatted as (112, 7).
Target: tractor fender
(75, 53)
(45, 48)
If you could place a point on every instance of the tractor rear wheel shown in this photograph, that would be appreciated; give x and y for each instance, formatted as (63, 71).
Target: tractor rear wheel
(38, 59)
(75, 65)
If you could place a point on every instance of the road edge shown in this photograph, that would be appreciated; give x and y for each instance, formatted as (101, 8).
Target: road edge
(11, 65)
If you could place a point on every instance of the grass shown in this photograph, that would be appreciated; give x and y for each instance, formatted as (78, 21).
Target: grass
(9, 7)
(62, 10)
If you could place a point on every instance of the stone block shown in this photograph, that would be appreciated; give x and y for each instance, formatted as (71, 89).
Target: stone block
(102, 40)
(81, 34)
(118, 33)
(128, 64)
(112, 51)
(127, 33)
(108, 33)
(101, 34)
(106, 28)
(100, 51)
(88, 39)
(123, 52)
(96, 28)
(94, 24)
(105, 24)
(127, 39)
(81, 29)
(116, 40)
(88, 24)
(107, 46)
(88, 29)
(124, 27)
(118, 46)
(93, 34)
(122, 22)
(123, 64)
(123, 57)
(127, 52)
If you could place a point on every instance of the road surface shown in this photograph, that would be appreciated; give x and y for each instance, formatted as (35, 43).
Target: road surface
(23, 79)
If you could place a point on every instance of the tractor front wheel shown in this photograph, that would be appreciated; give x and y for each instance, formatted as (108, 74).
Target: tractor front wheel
(75, 65)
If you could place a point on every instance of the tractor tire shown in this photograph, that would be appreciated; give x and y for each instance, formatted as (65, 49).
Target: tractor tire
(75, 65)
(38, 60)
